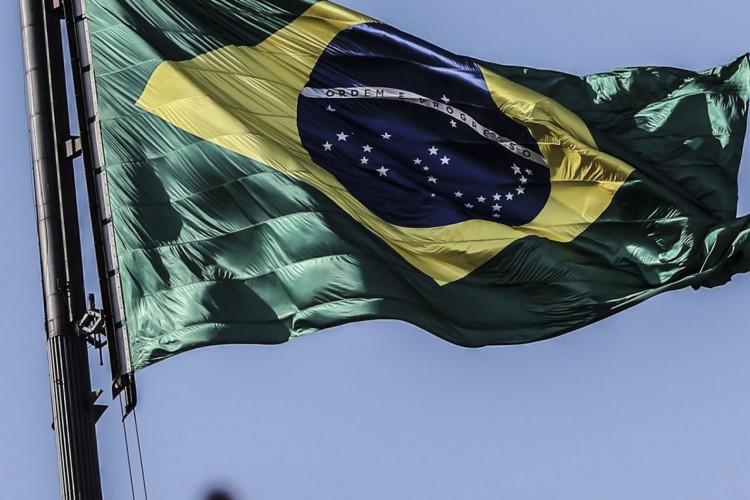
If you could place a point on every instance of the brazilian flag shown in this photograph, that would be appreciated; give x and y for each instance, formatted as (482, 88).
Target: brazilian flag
(275, 167)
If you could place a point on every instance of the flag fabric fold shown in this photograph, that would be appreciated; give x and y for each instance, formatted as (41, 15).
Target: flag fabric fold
(278, 167)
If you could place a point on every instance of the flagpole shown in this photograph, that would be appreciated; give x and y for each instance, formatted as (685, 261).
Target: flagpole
(123, 380)
(52, 153)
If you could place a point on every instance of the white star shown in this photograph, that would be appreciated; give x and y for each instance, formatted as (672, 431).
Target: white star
(529, 172)
(497, 216)
(417, 161)
(382, 171)
(330, 109)
(445, 160)
(365, 160)
(426, 169)
(342, 136)
(458, 194)
(523, 180)
(520, 190)
(327, 146)
(516, 170)
(368, 148)
(453, 124)
(469, 205)
(496, 207)
(433, 151)
(386, 136)
(497, 197)
(445, 99)
(432, 195)
(509, 196)
(432, 179)
(481, 199)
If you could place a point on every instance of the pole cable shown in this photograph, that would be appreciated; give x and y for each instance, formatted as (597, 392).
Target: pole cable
(127, 447)
(140, 453)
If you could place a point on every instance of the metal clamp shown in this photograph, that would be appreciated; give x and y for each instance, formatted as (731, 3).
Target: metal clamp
(93, 327)
(73, 147)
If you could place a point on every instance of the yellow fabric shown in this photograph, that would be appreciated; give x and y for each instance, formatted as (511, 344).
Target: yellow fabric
(245, 99)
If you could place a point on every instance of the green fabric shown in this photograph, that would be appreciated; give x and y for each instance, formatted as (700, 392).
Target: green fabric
(214, 248)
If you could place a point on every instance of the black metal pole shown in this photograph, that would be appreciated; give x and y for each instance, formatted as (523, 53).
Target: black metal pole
(60, 252)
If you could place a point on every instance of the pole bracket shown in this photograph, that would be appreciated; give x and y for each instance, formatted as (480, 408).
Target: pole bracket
(59, 8)
(98, 409)
(73, 147)
(93, 327)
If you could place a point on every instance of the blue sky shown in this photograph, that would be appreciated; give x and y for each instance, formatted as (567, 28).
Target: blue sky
(651, 403)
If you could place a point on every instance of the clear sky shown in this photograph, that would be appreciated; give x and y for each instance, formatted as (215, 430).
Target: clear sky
(653, 403)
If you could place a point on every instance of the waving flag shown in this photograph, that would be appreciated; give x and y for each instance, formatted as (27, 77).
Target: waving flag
(277, 167)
